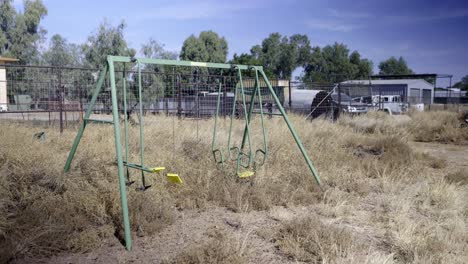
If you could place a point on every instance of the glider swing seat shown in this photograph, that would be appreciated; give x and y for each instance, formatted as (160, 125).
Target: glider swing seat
(246, 160)
(246, 164)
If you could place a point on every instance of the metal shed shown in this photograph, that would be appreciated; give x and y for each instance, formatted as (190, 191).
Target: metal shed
(411, 90)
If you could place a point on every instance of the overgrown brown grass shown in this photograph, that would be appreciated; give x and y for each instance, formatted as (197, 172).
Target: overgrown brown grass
(218, 248)
(381, 200)
(307, 239)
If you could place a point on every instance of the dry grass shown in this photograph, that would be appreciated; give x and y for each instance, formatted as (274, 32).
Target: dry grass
(381, 201)
(444, 127)
(217, 248)
(458, 177)
(308, 239)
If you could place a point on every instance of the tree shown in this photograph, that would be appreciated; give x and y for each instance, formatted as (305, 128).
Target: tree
(245, 59)
(394, 66)
(463, 83)
(154, 49)
(62, 53)
(280, 55)
(20, 33)
(333, 63)
(157, 86)
(108, 40)
(207, 47)
(362, 68)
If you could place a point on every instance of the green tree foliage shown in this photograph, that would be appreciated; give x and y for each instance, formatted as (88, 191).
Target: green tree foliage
(158, 84)
(463, 83)
(108, 40)
(154, 49)
(62, 53)
(245, 59)
(280, 55)
(207, 47)
(20, 32)
(394, 66)
(333, 63)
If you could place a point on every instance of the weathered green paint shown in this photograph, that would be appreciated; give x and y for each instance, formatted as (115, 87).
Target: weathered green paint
(229, 147)
(124, 88)
(118, 150)
(184, 63)
(89, 120)
(137, 166)
(71, 155)
(142, 143)
(291, 128)
(214, 149)
(247, 130)
(115, 116)
(265, 144)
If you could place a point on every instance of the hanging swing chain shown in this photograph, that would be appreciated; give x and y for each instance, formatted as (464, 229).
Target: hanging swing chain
(265, 145)
(142, 146)
(124, 88)
(173, 116)
(241, 152)
(213, 144)
(197, 76)
(233, 148)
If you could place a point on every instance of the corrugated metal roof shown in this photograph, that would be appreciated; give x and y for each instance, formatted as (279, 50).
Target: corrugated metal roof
(410, 82)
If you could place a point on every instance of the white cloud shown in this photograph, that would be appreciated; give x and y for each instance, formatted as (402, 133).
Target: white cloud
(186, 10)
(349, 14)
(332, 25)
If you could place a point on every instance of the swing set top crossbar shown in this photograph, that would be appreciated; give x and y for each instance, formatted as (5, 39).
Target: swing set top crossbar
(182, 63)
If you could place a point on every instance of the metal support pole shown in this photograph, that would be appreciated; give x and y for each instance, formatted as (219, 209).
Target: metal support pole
(291, 128)
(142, 144)
(118, 150)
(87, 115)
(289, 97)
(339, 101)
(224, 98)
(247, 120)
(179, 97)
(62, 95)
(124, 88)
(248, 117)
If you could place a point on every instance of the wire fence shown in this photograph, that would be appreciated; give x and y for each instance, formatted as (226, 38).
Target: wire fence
(61, 95)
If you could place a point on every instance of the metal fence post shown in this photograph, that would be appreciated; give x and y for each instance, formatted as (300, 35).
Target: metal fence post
(62, 95)
(339, 101)
(179, 97)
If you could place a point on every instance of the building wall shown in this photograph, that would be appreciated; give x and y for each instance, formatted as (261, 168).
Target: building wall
(390, 89)
(3, 89)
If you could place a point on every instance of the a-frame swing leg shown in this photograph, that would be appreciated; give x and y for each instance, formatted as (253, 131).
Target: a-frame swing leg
(291, 128)
(118, 150)
(71, 155)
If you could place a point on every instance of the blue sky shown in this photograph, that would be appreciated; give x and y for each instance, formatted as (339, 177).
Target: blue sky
(431, 35)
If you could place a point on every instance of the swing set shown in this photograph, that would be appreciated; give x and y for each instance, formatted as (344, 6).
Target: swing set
(246, 160)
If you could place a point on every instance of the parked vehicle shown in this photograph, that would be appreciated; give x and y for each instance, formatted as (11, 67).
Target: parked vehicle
(20, 102)
(391, 104)
(348, 105)
(3, 108)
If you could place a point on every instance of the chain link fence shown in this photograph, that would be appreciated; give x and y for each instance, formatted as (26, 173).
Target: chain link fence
(61, 95)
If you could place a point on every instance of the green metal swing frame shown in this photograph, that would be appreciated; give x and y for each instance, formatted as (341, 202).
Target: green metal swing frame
(110, 70)
(243, 158)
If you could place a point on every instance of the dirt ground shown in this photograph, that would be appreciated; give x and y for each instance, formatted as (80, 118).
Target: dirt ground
(250, 229)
